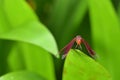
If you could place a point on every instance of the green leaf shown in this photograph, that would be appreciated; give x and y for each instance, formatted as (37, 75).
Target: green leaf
(72, 24)
(16, 59)
(21, 75)
(106, 32)
(4, 51)
(32, 58)
(21, 24)
(33, 33)
(66, 17)
(79, 66)
(119, 11)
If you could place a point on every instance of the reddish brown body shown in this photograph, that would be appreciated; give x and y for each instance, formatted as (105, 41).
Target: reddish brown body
(78, 39)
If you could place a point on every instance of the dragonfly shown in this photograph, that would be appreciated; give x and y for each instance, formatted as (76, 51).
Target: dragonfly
(78, 40)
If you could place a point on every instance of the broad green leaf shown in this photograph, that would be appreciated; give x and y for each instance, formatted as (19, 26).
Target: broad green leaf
(105, 33)
(34, 33)
(79, 66)
(21, 75)
(19, 23)
(32, 58)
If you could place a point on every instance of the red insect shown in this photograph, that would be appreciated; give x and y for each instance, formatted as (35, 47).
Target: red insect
(78, 39)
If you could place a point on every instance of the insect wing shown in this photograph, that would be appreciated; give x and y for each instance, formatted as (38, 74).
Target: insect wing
(66, 49)
(89, 49)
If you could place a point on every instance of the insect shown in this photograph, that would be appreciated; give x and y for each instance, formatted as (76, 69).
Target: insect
(78, 40)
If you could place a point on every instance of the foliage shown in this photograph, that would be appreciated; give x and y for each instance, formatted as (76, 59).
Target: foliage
(32, 31)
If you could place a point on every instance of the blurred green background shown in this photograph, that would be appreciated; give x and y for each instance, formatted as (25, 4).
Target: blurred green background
(33, 31)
